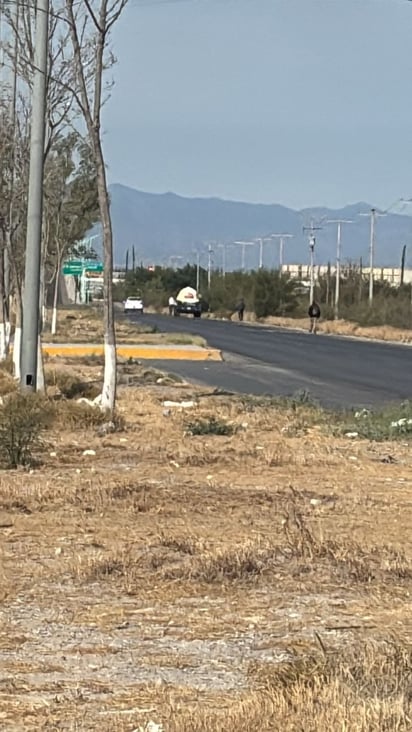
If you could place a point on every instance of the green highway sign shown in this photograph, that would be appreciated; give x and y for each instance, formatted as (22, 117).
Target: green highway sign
(78, 266)
(94, 267)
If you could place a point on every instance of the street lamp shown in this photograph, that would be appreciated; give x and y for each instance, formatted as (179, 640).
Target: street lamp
(339, 222)
(373, 214)
(281, 238)
(244, 244)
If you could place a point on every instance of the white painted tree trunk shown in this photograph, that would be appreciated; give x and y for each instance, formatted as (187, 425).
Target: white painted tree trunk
(3, 349)
(17, 352)
(8, 334)
(54, 321)
(55, 301)
(109, 380)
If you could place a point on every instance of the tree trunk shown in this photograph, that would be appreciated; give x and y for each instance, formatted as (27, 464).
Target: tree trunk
(109, 381)
(55, 298)
(3, 345)
(17, 338)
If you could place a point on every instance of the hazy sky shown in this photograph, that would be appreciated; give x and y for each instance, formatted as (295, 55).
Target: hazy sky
(300, 102)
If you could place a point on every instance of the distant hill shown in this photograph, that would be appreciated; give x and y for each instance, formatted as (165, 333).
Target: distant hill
(164, 225)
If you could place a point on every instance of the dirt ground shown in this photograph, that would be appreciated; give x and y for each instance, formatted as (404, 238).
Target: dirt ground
(229, 565)
(85, 325)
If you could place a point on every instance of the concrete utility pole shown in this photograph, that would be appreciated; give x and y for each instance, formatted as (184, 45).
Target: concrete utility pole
(209, 265)
(281, 238)
(197, 271)
(339, 222)
(223, 248)
(31, 304)
(373, 214)
(244, 244)
(312, 243)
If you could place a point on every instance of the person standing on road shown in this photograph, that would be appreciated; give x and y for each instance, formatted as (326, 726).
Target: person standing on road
(314, 315)
(172, 305)
(240, 308)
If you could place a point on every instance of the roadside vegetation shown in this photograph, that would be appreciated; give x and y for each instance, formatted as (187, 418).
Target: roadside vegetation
(201, 561)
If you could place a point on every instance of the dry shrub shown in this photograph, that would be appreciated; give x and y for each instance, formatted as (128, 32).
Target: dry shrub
(74, 415)
(347, 559)
(8, 384)
(23, 416)
(244, 562)
(70, 386)
(184, 544)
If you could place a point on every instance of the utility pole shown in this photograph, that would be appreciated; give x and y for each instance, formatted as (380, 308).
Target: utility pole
(371, 253)
(281, 238)
(197, 271)
(373, 214)
(244, 244)
(260, 241)
(31, 307)
(312, 243)
(339, 222)
(209, 265)
(223, 248)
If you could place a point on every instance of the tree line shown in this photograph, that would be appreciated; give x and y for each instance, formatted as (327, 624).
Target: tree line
(271, 293)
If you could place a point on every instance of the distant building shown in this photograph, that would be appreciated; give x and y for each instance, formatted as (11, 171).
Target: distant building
(387, 274)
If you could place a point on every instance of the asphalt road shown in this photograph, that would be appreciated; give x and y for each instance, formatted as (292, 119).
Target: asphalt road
(262, 360)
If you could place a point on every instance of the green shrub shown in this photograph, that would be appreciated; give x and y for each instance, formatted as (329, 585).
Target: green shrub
(23, 416)
(211, 426)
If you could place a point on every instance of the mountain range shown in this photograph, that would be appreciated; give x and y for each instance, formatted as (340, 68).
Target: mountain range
(165, 227)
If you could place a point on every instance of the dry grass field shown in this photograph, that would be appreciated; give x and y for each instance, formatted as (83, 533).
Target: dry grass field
(235, 566)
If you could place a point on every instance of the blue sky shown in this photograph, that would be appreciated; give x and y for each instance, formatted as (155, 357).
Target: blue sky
(299, 102)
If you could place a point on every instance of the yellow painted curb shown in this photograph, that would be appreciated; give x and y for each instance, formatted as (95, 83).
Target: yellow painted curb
(139, 352)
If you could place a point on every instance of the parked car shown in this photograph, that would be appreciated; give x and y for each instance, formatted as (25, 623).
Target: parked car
(134, 305)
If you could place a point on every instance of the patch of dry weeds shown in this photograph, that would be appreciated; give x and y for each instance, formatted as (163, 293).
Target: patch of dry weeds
(258, 580)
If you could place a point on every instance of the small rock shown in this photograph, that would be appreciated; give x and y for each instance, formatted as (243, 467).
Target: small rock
(180, 405)
(89, 452)
(315, 501)
(388, 459)
(174, 463)
(166, 412)
(58, 551)
(351, 434)
(106, 429)
(53, 454)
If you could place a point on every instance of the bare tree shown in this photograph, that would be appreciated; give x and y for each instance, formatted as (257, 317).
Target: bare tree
(19, 53)
(90, 27)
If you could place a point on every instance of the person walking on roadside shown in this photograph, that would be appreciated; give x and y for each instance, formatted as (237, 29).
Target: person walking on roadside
(314, 315)
(172, 305)
(240, 308)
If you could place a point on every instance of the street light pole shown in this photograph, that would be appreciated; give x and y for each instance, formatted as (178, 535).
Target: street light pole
(209, 266)
(371, 254)
(244, 244)
(312, 242)
(197, 271)
(373, 214)
(339, 222)
(281, 238)
(31, 301)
